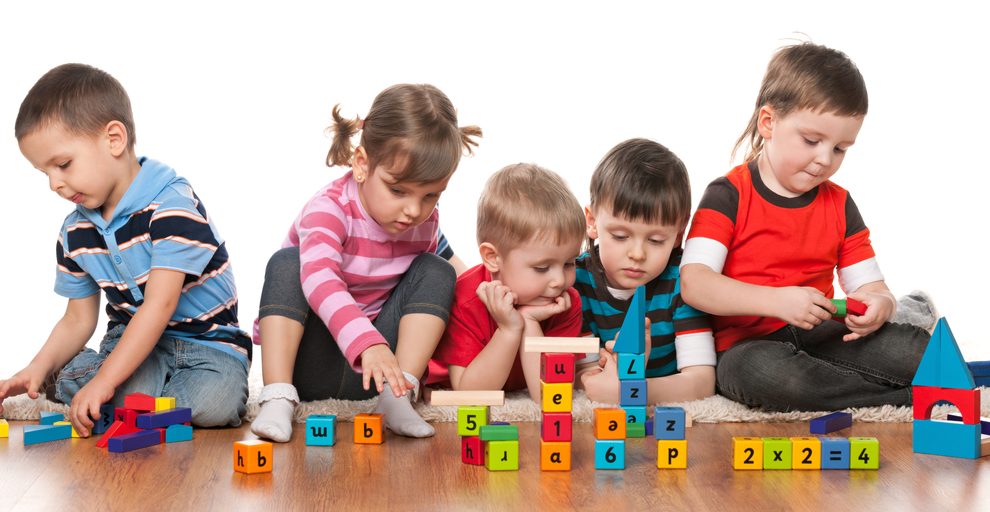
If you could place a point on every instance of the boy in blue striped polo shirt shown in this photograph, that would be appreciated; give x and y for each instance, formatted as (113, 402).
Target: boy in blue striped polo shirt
(640, 206)
(141, 235)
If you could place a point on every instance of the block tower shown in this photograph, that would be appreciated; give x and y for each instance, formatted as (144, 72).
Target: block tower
(944, 375)
(483, 442)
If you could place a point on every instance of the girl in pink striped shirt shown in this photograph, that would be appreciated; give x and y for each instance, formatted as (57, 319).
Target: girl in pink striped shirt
(356, 294)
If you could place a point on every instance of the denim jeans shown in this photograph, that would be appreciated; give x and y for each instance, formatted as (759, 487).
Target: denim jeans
(321, 371)
(211, 382)
(814, 370)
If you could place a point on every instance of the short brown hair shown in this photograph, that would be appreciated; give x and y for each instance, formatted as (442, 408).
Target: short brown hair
(409, 126)
(807, 76)
(522, 202)
(80, 97)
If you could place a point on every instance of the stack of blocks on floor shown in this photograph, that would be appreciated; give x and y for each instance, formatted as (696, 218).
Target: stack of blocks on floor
(754, 453)
(944, 375)
(494, 445)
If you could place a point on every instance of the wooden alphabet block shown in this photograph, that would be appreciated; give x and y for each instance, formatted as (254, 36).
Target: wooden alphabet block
(369, 429)
(668, 423)
(747, 453)
(635, 414)
(672, 454)
(34, 434)
(776, 453)
(632, 392)
(470, 419)
(139, 402)
(134, 441)
(50, 418)
(253, 456)
(631, 366)
(610, 454)
(555, 456)
(556, 426)
(164, 403)
(806, 453)
(320, 430)
(610, 423)
(557, 397)
(101, 424)
(864, 453)
(556, 367)
(835, 453)
(472, 452)
(502, 455)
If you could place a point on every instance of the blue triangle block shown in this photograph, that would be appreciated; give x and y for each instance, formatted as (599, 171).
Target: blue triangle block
(954, 372)
(929, 373)
(632, 334)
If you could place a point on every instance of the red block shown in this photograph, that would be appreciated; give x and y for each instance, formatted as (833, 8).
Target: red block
(139, 402)
(556, 367)
(118, 428)
(556, 426)
(966, 400)
(855, 307)
(128, 416)
(472, 451)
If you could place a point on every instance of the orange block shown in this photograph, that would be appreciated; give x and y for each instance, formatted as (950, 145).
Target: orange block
(369, 429)
(555, 456)
(610, 423)
(253, 456)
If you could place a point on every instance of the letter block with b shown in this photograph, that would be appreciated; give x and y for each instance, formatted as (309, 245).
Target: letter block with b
(253, 456)
(369, 429)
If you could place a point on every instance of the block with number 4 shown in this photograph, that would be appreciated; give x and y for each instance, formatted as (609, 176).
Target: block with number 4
(864, 453)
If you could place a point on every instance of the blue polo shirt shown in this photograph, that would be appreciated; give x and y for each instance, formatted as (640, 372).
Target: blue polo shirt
(159, 223)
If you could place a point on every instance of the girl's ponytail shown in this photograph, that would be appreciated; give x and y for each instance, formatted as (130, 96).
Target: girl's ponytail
(341, 149)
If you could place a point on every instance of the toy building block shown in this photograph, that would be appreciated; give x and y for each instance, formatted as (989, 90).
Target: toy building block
(556, 367)
(632, 334)
(369, 429)
(101, 424)
(467, 397)
(69, 423)
(555, 456)
(672, 454)
(946, 438)
(117, 428)
(635, 414)
(806, 453)
(984, 422)
(4, 429)
(253, 456)
(128, 416)
(668, 423)
(635, 430)
(588, 345)
(835, 453)
(320, 430)
(864, 453)
(776, 453)
(178, 433)
(139, 402)
(34, 434)
(747, 453)
(557, 397)
(557, 426)
(831, 423)
(632, 392)
(649, 426)
(134, 441)
(499, 423)
(470, 419)
(631, 366)
(502, 455)
(848, 306)
(472, 452)
(499, 433)
(966, 400)
(942, 365)
(163, 419)
(50, 418)
(980, 371)
(164, 403)
(610, 423)
(610, 454)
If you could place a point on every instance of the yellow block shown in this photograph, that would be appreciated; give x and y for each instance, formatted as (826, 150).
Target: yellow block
(557, 397)
(672, 454)
(4, 428)
(74, 433)
(747, 453)
(164, 403)
(806, 453)
(555, 456)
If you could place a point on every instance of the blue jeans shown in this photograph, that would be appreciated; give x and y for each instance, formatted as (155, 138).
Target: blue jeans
(211, 382)
(796, 370)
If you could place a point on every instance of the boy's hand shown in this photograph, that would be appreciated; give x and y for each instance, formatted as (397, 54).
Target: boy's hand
(602, 384)
(879, 309)
(86, 404)
(379, 363)
(648, 341)
(802, 306)
(540, 313)
(500, 302)
(28, 380)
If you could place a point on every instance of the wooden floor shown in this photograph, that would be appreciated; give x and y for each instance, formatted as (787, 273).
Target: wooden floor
(405, 474)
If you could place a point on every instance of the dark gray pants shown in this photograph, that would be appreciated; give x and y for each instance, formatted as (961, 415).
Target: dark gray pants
(794, 369)
(321, 370)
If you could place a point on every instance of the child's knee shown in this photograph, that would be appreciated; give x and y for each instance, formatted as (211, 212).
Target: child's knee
(219, 409)
(284, 264)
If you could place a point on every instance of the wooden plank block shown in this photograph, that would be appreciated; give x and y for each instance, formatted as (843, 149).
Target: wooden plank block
(164, 419)
(587, 345)
(440, 397)
(831, 422)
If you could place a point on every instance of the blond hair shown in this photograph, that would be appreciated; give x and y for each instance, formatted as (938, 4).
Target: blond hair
(522, 202)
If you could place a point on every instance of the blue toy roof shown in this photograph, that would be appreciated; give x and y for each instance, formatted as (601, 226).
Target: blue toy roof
(943, 365)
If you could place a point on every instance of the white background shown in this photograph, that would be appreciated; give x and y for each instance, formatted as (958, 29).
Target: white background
(237, 96)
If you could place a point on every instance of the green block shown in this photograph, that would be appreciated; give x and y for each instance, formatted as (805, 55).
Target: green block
(499, 433)
(840, 307)
(502, 455)
(635, 429)
(776, 453)
(864, 453)
(470, 419)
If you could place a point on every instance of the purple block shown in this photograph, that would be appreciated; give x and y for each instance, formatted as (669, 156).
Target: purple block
(163, 419)
(649, 427)
(498, 422)
(831, 422)
(134, 441)
(984, 422)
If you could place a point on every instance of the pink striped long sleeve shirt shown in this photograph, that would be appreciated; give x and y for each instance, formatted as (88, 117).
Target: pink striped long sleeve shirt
(350, 265)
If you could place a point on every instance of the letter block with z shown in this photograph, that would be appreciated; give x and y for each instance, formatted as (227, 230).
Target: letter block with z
(320, 430)
(253, 456)
(556, 367)
(368, 429)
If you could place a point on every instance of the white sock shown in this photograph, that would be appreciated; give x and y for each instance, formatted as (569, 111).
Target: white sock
(278, 403)
(400, 417)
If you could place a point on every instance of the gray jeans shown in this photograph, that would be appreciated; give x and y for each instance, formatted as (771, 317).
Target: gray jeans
(794, 369)
(321, 370)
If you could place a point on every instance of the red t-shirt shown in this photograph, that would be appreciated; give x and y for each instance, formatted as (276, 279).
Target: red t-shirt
(470, 327)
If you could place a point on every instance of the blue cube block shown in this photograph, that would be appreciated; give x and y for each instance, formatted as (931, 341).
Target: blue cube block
(632, 392)
(178, 433)
(831, 422)
(835, 453)
(101, 424)
(34, 434)
(668, 423)
(164, 418)
(631, 366)
(610, 454)
(134, 441)
(49, 418)
(320, 430)
(635, 414)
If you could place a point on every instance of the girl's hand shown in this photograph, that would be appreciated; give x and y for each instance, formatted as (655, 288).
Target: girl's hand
(879, 309)
(28, 380)
(802, 306)
(379, 363)
(86, 404)
(540, 313)
(602, 384)
(500, 303)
